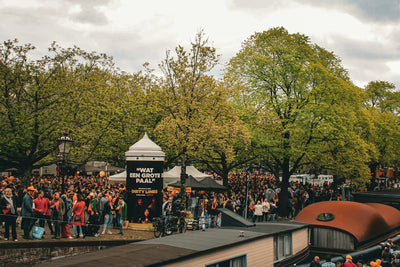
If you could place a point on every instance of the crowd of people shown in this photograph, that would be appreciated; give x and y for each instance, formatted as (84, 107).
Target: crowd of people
(90, 204)
(262, 191)
(390, 257)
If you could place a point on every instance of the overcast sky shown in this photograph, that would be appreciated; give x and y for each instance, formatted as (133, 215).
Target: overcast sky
(365, 34)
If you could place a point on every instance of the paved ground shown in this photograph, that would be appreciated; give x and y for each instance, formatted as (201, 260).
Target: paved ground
(129, 233)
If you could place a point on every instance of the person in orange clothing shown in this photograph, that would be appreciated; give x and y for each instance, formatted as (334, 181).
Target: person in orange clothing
(41, 208)
(79, 216)
(57, 206)
(349, 262)
(47, 214)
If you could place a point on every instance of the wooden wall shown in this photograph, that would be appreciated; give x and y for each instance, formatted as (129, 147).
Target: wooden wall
(299, 240)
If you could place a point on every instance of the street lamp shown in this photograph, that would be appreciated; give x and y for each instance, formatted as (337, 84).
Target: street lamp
(64, 147)
(247, 173)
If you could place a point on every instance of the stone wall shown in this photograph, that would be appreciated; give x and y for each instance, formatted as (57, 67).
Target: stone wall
(31, 256)
(31, 253)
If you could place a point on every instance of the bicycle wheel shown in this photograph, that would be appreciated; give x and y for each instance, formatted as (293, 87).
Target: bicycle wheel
(158, 228)
(157, 231)
(182, 225)
(168, 228)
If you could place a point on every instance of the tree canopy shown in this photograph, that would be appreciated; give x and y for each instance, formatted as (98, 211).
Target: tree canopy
(301, 100)
(283, 102)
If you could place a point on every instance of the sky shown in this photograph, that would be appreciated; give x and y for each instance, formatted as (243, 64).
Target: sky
(364, 34)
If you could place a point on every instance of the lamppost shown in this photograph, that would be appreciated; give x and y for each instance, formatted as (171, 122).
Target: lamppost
(64, 147)
(247, 173)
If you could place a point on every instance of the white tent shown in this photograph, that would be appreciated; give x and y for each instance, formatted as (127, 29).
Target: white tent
(174, 174)
(118, 178)
(171, 176)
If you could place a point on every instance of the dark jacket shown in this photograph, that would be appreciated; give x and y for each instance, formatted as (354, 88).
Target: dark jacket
(96, 206)
(6, 212)
(27, 206)
(107, 208)
(58, 215)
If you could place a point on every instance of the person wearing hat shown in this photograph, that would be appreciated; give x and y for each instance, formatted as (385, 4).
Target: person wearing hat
(349, 262)
(27, 212)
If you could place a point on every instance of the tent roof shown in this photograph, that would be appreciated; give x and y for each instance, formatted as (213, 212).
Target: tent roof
(118, 176)
(190, 182)
(205, 184)
(170, 176)
(211, 184)
(175, 172)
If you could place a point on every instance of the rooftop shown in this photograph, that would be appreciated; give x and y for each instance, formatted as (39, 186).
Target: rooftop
(364, 221)
(176, 246)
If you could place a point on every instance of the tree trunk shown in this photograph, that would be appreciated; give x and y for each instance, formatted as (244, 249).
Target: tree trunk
(283, 195)
(225, 180)
(224, 172)
(27, 174)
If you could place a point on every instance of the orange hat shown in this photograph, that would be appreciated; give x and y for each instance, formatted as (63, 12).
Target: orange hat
(349, 257)
(31, 188)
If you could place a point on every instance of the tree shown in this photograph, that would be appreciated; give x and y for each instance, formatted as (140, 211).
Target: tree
(299, 98)
(197, 114)
(382, 103)
(226, 141)
(67, 90)
(31, 94)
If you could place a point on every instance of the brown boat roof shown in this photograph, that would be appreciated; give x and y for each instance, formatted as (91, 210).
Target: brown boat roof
(364, 221)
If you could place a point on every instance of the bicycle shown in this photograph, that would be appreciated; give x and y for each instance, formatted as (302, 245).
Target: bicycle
(159, 227)
(181, 223)
(164, 227)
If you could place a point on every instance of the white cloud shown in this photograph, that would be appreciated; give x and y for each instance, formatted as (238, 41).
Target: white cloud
(135, 32)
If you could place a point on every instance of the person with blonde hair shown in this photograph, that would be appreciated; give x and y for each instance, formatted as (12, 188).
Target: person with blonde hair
(8, 208)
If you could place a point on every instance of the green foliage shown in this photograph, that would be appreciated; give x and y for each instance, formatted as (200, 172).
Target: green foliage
(199, 125)
(32, 92)
(297, 100)
(68, 90)
(284, 102)
(382, 128)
